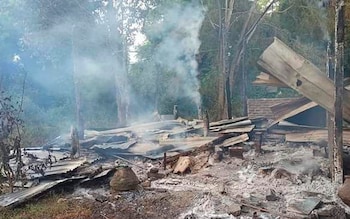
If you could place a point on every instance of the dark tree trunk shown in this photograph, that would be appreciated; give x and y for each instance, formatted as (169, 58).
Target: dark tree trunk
(120, 64)
(77, 92)
(244, 84)
(224, 100)
(339, 91)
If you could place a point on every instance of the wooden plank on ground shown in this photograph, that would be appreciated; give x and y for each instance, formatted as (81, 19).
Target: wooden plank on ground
(315, 136)
(285, 127)
(190, 142)
(235, 140)
(245, 129)
(195, 151)
(300, 74)
(237, 124)
(227, 121)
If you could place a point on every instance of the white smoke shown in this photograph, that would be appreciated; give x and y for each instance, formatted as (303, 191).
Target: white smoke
(180, 43)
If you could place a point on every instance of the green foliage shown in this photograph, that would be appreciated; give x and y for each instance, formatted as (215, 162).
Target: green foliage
(301, 24)
(41, 34)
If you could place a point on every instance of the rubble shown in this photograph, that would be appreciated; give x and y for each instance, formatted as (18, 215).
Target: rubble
(154, 174)
(267, 181)
(259, 165)
(329, 212)
(272, 196)
(304, 206)
(236, 152)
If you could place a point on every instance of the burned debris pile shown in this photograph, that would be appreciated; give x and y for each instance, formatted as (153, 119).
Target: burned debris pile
(264, 162)
(160, 153)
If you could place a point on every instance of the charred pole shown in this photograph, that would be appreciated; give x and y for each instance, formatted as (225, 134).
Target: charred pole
(338, 92)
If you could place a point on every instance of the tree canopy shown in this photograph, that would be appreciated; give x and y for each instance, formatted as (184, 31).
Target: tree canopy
(187, 47)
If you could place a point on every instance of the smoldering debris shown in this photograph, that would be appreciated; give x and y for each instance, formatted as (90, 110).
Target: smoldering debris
(174, 157)
(244, 162)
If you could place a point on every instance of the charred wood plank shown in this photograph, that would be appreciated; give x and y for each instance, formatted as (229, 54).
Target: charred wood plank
(300, 74)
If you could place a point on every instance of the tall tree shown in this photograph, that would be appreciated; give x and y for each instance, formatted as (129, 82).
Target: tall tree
(125, 18)
(224, 85)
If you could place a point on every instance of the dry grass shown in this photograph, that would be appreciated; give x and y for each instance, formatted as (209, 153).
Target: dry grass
(53, 207)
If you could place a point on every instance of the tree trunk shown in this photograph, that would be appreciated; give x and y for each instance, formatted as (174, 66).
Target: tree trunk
(236, 59)
(77, 92)
(120, 66)
(122, 88)
(244, 84)
(224, 101)
(244, 39)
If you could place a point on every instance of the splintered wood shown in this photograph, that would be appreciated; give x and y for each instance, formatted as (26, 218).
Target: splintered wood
(268, 80)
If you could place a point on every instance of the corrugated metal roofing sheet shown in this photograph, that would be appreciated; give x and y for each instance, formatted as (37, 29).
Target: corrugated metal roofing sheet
(21, 196)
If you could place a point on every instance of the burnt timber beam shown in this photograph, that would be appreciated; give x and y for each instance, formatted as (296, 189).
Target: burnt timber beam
(300, 74)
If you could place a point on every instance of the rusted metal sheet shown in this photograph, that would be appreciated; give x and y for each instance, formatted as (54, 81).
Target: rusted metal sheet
(38, 153)
(115, 146)
(59, 168)
(98, 178)
(16, 198)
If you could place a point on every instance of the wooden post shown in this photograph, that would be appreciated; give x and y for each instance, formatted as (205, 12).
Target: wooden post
(164, 161)
(175, 112)
(330, 117)
(75, 145)
(199, 112)
(258, 142)
(206, 124)
(338, 93)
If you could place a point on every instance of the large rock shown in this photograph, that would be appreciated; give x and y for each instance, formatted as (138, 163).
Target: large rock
(344, 191)
(124, 179)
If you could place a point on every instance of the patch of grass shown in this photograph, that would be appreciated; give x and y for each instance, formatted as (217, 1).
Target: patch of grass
(52, 207)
